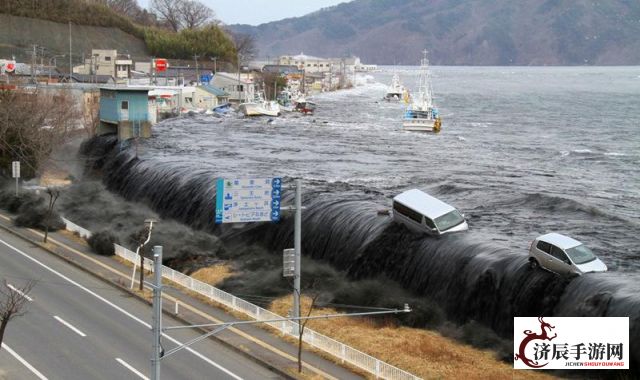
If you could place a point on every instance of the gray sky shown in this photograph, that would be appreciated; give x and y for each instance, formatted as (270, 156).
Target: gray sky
(255, 12)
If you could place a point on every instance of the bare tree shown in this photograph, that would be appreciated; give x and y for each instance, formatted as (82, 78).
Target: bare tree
(12, 303)
(245, 45)
(32, 124)
(53, 194)
(195, 14)
(129, 8)
(168, 11)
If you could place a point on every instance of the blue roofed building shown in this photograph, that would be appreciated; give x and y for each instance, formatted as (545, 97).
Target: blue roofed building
(125, 111)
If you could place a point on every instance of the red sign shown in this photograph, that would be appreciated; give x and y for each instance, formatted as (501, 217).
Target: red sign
(10, 67)
(160, 64)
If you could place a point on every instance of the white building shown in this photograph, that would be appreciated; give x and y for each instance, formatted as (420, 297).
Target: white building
(106, 62)
(239, 87)
(307, 63)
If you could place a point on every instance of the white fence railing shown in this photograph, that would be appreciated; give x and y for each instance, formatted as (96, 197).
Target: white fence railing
(340, 350)
(76, 228)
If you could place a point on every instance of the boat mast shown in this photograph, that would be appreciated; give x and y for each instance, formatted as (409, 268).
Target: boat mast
(426, 92)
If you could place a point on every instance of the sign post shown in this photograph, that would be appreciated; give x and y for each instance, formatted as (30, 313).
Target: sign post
(15, 169)
(244, 200)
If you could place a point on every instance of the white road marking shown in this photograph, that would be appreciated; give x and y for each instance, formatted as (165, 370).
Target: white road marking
(77, 331)
(24, 362)
(123, 311)
(130, 368)
(20, 292)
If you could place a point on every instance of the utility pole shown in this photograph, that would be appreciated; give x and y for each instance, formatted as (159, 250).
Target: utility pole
(33, 63)
(195, 58)
(156, 326)
(70, 52)
(297, 242)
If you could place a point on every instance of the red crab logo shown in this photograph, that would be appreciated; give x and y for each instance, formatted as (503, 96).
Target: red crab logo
(531, 336)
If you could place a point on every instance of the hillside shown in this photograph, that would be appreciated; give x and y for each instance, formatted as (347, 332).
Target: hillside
(463, 32)
(17, 34)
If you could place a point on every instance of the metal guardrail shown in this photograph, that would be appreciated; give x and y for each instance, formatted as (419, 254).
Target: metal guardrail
(345, 353)
(340, 350)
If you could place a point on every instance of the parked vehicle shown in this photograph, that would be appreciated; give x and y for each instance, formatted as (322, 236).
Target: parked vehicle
(562, 254)
(421, 212)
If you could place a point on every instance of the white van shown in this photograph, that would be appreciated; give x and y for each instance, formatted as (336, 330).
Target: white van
(421, 212)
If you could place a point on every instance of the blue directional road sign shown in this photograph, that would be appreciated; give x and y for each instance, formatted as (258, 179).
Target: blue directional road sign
(243, 200)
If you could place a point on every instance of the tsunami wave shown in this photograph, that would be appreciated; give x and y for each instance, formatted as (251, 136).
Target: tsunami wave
(471, 279)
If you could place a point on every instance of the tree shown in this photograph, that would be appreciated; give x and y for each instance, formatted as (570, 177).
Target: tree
(245, 45)
(12, 303)
(32, 124)
(195, 14)
(182, 14)
(168, 11)
(129, 8)
(53, 194)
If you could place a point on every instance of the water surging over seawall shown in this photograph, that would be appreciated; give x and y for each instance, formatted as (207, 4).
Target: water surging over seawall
(470, 279)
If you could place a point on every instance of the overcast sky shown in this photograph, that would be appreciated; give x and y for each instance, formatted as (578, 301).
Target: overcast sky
(255, 12)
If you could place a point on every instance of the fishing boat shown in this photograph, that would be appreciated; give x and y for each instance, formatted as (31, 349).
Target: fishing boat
(396, 90)
(260, 107)
(421, 114)
(304, 106)
(285, 99)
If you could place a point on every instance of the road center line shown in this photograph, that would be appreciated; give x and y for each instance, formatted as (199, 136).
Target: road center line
(24, 362)
(130, 368)
(123, 311)
(20, 292)
(77, 331)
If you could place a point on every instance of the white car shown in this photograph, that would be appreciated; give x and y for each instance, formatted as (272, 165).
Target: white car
(562, 254)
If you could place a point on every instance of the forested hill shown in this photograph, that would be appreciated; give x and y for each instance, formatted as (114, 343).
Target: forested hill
(463, 32)
(95, 24)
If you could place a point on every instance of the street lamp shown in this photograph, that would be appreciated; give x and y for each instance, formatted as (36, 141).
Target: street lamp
(148, 223)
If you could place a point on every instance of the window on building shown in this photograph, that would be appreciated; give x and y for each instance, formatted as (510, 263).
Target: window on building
(107, 59)
(124, 105)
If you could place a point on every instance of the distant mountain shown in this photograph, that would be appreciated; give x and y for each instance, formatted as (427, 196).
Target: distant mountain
(463, 32)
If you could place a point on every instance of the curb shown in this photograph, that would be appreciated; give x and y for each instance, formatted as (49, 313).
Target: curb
(77, 265)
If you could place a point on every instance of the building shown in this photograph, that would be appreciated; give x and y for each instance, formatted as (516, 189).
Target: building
(239, 87)
(282, 69)
(106, 62)
(208, 97)
(307, 63)
(125, 111)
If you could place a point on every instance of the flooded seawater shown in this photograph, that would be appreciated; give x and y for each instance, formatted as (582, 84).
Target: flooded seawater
(522, 152)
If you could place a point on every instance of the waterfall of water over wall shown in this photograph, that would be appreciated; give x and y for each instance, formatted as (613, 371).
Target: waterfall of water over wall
(470, 279)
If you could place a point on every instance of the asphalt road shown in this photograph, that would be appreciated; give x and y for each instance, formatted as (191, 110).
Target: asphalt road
(77, 327)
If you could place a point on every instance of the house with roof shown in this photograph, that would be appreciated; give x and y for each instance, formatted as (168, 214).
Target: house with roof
(125, 111)
(240, 87)
(208, 97)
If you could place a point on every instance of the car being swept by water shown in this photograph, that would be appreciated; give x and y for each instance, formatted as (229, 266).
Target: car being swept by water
(562, 254)
(421, 212)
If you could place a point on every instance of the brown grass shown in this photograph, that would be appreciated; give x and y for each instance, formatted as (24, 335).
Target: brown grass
(424, 353)
(213, 275)
(73, 236)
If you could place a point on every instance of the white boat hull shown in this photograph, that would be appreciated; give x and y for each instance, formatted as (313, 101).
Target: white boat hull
(419, 125)
(257, 109)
